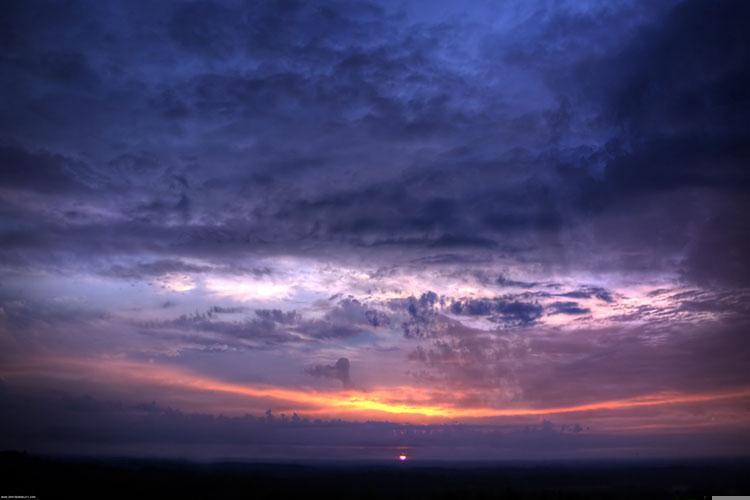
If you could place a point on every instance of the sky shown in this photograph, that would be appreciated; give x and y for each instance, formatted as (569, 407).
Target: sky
(510, 230)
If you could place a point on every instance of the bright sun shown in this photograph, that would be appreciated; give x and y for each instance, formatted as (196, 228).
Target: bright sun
(402, 457)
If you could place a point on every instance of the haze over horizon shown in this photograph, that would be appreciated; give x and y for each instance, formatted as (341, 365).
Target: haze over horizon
(349, 230)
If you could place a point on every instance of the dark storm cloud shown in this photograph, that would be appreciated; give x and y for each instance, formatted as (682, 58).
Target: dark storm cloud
(200, 27)
(422, 318)
(716, 256)
(730, 303)
(426, 315)
(386, 89)
(20, 316)
(588, 292)
(678, 95)
(500, 309)
(260, 331)
(505, 281)
(350, 310)
(154, 268)
(258, 114)
(268, 328)
(38, 171)
(567, 307)
(337, 371)
(278, 316)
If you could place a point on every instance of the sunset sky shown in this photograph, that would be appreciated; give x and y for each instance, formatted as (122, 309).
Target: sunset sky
(339, 230)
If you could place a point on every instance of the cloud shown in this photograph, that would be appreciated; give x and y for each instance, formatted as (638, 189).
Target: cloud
(263, 331)
(278, 316)
(268, 328)
(587, 292)
(43, 423)
(674, 93)
(40, 171)
(338, 371)
(422, 320)
(567, 308)
(503, 280)
(156, 268)
(561, 162)
(499, 309)
(584, 362)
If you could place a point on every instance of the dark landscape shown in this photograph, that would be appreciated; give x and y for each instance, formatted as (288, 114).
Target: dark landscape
(128, 478)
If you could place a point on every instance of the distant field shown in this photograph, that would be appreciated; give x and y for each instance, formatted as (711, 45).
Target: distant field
(45, 477)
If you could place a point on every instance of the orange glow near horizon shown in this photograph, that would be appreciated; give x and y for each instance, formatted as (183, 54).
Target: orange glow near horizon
(402, 402)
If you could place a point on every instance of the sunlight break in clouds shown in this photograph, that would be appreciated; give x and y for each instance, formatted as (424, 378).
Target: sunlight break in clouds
(247, 290)
(402, 403)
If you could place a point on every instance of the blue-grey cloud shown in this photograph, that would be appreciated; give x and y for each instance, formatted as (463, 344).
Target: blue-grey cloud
(338, 371)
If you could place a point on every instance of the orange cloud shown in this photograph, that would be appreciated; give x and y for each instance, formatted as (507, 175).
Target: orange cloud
(401, 402)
